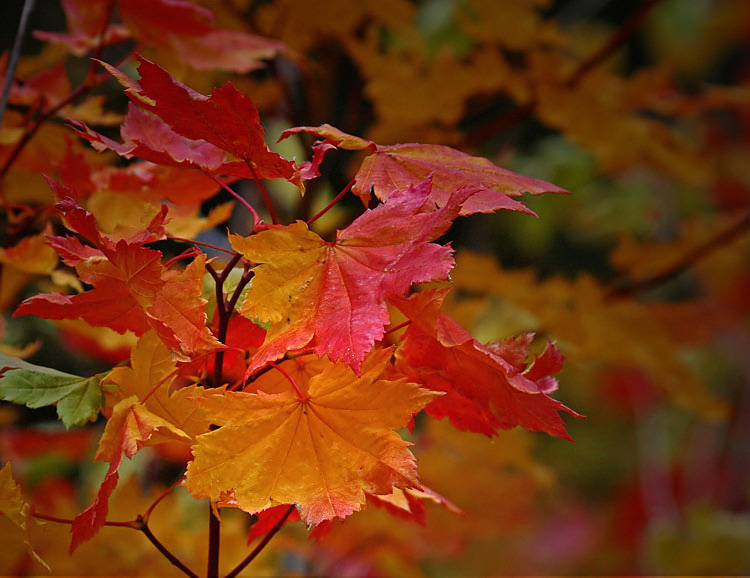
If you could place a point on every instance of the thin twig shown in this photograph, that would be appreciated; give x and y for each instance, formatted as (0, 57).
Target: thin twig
(264, 192)
(138, 524)
(174, 560)
(132, 524)
(166, 492)
(266, 539)
(202, 244)
(290, 379)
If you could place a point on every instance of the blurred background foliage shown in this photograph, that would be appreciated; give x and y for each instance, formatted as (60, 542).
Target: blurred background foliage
(641, 276)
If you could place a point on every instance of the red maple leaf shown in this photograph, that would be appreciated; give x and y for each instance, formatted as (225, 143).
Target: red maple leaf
(227, 119)
(486, 387)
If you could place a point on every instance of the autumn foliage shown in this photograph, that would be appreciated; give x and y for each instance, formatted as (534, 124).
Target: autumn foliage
(305, 374)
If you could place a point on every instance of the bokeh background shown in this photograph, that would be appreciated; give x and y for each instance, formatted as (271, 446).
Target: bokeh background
(641, 276)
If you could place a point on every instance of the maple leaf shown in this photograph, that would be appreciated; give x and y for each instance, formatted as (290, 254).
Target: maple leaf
(484, 390)
(322, 451)
(150, 377)
(78, 399)
(85, 20)
(187, 31)
(17, 510)
(335, 291)
(132, 291)
(130, 427)
(226, 119)
(409, 503)
(392, 168)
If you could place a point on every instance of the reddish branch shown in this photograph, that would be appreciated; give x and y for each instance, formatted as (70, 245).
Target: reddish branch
(522, 112)
(259, 548)
(139, 524)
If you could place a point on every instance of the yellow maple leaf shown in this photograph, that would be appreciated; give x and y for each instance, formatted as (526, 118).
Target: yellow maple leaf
(16, 510)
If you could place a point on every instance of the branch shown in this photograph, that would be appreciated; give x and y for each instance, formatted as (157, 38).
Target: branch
(10, 72)
(522, 112)
(266, 539)
(90, 82)
(138, 524)
(174, 560)
(629, 288)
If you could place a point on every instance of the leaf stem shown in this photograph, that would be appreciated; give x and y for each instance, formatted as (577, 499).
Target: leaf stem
(399, 326)
(264, 192)
(290, 379)
(266, 539)
(256, 218)
(335, 200)
(170, 375)
(166, 492)
(209, 245)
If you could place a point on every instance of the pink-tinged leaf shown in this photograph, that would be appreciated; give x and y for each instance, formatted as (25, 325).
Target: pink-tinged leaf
(336, 292)
(483, 391)
(392, 168)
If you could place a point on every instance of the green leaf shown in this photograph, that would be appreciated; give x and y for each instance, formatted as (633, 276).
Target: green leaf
(78, 399)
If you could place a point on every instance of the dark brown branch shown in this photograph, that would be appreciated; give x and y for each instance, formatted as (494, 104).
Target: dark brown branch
(689, 260)
(174, 560)
(15, 54)
(522, 112)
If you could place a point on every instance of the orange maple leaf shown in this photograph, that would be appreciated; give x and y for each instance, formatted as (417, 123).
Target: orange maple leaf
(132, 289)
(321, 450)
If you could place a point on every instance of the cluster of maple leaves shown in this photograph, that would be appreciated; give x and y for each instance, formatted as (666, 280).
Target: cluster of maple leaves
(292, 391)
(283, 370)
